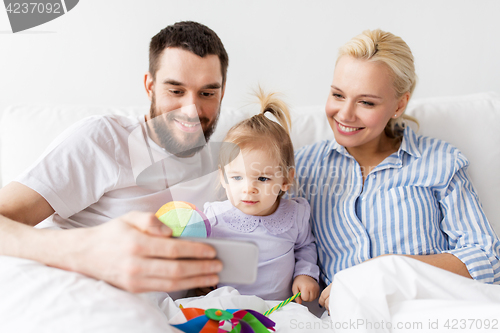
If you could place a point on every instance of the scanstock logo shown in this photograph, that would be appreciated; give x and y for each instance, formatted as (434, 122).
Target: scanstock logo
(26, 14)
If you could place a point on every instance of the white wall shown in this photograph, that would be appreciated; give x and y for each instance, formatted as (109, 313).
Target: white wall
(97, 53)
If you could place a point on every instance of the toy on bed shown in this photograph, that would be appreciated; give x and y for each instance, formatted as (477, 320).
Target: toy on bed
(184, 219)
(241, 321)
(210, 321)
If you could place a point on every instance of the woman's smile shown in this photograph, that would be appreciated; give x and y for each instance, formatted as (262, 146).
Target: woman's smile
(347, 130)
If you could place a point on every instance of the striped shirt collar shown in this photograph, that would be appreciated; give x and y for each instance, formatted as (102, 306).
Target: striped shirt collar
(408, 145)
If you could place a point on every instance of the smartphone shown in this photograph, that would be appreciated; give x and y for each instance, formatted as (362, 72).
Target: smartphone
(239, 258)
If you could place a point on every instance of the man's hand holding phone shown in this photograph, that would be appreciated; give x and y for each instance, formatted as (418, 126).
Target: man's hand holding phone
(137, 253)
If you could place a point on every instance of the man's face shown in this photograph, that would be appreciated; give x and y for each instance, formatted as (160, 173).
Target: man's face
(185, 100)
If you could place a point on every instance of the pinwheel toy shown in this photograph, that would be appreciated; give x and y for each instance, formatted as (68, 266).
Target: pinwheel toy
(210, 320)
(184, 219)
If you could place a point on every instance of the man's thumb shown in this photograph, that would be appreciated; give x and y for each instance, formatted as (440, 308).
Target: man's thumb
(148, 223)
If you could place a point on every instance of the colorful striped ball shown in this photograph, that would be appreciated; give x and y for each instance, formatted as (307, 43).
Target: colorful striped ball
(184, 219)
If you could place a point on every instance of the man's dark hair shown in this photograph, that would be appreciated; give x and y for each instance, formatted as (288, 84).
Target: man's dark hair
(190, 36)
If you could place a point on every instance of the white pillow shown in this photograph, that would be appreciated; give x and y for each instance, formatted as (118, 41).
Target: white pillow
(309, 125)
(25, 131)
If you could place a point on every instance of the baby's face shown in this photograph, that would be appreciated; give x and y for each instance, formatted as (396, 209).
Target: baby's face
(254, 181)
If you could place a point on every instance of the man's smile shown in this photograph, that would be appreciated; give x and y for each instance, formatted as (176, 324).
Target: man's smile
(189, 127)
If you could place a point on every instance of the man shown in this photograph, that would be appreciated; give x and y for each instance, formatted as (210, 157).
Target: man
(90, 176)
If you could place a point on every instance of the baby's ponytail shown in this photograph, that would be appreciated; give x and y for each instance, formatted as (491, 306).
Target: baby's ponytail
(277, 107)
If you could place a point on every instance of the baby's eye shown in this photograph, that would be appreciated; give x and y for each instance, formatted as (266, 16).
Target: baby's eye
(263, 179)
(236, 177)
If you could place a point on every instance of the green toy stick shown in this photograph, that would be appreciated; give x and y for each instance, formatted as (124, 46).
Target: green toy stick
(282, 304)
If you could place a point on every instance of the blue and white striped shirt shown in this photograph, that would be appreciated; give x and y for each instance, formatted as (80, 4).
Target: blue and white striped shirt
(419, 200)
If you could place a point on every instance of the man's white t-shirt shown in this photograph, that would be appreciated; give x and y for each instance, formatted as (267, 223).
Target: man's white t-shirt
(106, 166)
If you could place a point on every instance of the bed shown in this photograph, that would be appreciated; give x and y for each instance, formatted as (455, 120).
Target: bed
(388, 294)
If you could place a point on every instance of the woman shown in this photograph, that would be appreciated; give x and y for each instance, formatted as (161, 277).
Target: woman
(379, 188)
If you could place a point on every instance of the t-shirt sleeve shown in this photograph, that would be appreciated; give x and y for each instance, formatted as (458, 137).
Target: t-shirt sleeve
(306, 256)
(77, 168)
(470, 236)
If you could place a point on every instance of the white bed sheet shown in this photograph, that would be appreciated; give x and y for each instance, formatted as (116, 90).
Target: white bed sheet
(37, 298)
(391, 289)
(400, 294)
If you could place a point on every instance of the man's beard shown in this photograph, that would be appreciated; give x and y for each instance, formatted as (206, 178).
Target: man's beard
(163, 123)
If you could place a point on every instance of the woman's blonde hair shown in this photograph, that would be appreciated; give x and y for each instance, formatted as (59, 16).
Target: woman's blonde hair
(385, 47)
(261, 133)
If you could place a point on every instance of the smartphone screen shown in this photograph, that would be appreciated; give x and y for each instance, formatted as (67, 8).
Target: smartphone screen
(239, 258)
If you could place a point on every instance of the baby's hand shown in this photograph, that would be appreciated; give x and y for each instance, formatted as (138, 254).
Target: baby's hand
(308, 287)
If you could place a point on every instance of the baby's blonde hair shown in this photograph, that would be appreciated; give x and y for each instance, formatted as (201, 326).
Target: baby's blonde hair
(391, 50)
(261, 133)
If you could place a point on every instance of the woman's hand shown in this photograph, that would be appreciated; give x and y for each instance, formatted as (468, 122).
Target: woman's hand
(308, 287)
(324, 299)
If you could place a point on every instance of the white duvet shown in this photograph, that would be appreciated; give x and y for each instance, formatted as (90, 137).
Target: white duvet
(388, 294)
